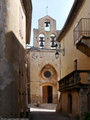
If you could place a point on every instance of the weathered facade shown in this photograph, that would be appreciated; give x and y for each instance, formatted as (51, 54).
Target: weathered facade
(44, 67)
(15, 22)
(74, 38)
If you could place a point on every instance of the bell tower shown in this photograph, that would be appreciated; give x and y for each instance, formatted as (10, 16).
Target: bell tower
(44, 66)
(45, 35)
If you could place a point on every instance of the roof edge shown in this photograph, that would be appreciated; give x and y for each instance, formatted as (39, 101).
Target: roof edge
(46, 16)
(72, 15)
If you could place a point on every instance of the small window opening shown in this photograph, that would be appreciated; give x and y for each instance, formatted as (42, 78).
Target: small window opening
(47, 25)
(75, 64)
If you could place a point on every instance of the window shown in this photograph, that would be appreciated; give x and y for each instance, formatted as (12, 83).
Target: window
(47, 74)
(41, 41)
(76, 33)
(75, 64)
(53, 41)
(20, 23)
(47, 25)
(69, 103)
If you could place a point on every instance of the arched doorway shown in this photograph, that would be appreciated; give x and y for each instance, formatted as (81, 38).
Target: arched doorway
(47, 94)
(48, 83)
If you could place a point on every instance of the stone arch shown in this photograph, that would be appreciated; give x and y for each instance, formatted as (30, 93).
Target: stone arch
(42, 33)
(45, 84)
(53, 34)
(47, 19)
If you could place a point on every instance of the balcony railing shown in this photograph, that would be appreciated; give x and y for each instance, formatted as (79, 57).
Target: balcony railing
(73, 80)
(82, 30)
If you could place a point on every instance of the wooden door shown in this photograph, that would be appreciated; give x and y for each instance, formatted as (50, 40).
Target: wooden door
(70, 103)
(45, 97)
(47, 94)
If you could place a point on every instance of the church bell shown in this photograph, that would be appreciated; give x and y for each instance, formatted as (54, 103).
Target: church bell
(47, 24)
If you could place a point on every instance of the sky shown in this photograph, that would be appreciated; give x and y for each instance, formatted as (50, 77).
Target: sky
(57, 9)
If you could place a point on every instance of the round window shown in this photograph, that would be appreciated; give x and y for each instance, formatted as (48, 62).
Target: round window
(47, 74)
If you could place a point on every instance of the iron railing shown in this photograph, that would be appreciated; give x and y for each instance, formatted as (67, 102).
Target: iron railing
(82, 29)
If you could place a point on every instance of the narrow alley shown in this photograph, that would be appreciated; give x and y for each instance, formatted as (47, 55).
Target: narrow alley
(44, 59)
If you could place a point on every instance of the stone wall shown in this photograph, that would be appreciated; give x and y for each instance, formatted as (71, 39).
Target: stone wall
(12, 58)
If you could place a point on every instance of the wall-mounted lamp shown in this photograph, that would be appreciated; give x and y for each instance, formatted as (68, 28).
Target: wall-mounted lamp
(57, 54)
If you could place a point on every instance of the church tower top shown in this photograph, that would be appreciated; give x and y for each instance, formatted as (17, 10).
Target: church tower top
(45, 35)
(47, 23)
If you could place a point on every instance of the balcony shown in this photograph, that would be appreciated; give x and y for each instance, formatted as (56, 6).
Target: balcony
(74, 80)
(82, 36)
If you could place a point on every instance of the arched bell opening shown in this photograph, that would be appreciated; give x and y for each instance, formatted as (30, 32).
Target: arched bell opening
(53, 41)
(41, 40)
(47, 25)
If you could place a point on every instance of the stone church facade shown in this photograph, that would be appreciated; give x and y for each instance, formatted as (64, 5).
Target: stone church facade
(44, 67)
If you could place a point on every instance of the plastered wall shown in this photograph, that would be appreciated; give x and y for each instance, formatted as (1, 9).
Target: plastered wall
(11, 50)
(71, 52)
